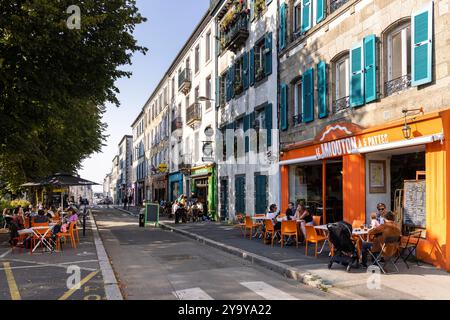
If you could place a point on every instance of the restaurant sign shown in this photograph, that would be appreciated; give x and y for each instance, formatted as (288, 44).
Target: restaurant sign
(346, 146)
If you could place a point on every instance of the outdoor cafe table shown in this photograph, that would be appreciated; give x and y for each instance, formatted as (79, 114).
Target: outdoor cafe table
(41, 237)
(356, 232)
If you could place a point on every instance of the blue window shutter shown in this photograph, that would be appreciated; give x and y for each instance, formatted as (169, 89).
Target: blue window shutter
(308, 95)
(322, 89)
(370, 68)
(232, 71)
(268, 54)
(356, 76)
(246, 128)
(320, 10)
(245, 79)
(282, 36)
(252, 66)
(283, 107)
(422, 46)
(228, 85)
(268, 116)
(306, 15)
(261, 195)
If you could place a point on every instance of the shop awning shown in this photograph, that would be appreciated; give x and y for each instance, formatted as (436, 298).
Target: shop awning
(401, 144)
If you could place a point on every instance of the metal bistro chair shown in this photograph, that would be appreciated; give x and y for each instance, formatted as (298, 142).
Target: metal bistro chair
(409, 247)
(376, 257)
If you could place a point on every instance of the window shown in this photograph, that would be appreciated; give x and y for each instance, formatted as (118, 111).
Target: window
(297, 15)
(298, 103)
(208, 92)
(260, 123)
(398, 59)
(165, 95)
(188, 63)
(224, 143)
(259, 60)
(196, 93)
(208, 46)
(173, 87)
(238, 70)
(197, 58)
(239, 126)
(341, 92)
(187, 101)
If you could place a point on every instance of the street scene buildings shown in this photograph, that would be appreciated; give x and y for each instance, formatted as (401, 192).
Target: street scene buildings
(316, 101)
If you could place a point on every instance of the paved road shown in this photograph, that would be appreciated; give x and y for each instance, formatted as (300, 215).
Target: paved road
(155, 264)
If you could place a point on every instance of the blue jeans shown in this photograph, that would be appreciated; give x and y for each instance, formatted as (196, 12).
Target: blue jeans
(366, 246)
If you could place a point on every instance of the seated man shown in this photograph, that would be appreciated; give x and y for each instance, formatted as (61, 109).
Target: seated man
(384, 231)
(41, 217)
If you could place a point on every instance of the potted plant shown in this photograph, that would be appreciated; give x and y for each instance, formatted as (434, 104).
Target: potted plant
(260, 5)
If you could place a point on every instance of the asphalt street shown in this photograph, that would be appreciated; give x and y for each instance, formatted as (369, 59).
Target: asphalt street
(151, 263)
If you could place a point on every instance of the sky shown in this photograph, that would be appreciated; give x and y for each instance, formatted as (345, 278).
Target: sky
(168, 26)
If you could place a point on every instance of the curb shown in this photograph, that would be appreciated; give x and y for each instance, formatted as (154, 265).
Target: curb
(306, 278)
(126, 211)
(111, 285)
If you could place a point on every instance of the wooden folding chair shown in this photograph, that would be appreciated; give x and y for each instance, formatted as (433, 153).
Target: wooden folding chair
(409, 246)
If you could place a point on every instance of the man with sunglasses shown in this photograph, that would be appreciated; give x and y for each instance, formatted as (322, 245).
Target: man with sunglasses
(381, 207)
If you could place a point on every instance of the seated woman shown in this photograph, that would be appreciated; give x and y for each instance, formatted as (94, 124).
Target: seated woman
(304, 216)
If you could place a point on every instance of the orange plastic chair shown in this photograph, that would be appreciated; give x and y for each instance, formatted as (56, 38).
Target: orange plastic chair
(289, 228)
(69, 234)
(313, 237)
(75, 232)
(317, 220)
(250, 225)
(240, 218)
(270, 229)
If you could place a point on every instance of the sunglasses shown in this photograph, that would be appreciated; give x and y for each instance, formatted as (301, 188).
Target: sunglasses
(379, 209)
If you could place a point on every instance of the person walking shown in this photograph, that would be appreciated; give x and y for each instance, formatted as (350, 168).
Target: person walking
(125, 201)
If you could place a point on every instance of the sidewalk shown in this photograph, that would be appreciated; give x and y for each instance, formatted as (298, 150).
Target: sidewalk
(418, 282)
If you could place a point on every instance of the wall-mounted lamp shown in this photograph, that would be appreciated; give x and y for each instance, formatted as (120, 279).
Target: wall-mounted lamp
(406, 129)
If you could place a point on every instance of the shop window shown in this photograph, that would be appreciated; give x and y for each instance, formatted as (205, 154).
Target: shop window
(341, 99)
(297, 119)
(398, 59)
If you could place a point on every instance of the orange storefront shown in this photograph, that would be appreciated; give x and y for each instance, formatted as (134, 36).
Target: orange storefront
(342, 151)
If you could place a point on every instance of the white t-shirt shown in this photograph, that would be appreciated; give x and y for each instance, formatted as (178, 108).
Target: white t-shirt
(271, 215)
(374, 223)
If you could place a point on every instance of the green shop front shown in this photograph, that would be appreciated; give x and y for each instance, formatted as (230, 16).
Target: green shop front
(204, 185)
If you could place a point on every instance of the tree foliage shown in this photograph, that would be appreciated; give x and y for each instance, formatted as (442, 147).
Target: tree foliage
(55, 82)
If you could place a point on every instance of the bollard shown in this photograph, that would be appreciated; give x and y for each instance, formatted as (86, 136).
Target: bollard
(84, 221)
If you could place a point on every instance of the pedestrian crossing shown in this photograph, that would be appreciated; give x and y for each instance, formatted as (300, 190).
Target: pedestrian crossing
(261, 288)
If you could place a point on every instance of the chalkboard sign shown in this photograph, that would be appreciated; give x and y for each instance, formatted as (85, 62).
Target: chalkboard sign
(414, 209)
(151, 213)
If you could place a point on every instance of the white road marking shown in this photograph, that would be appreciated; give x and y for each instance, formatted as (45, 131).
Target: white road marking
(267, 291)
(192, 294)
(5, 254)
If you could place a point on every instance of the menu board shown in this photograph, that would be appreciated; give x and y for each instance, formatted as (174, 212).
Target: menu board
(152, 213)
(414, 209)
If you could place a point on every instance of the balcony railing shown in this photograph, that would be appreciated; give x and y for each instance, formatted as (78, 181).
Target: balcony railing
(177, 123)
(236, 36)
(336, 4)
(194, 114)
(184, 81)
(397, 85)
(341, 104)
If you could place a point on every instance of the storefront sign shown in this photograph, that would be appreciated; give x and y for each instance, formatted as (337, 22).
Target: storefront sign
(162, 167)
(346, 146)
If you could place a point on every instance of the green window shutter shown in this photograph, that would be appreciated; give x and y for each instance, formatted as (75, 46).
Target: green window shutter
(422, 46)
(282, 36)
(246, 128)
(228, 85)
(245, 73)
(283, 107)
(322, 89)
(268, 116)
(356, 76)
(252, 66)
(306, 15)
(261, 195)
(308, 95)
(268, 54)
(370, 68)
(232, 76)
(320, 10)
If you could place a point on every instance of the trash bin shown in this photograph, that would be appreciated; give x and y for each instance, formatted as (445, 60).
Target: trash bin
(142, 218)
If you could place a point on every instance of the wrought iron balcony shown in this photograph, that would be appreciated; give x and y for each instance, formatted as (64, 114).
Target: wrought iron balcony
(297, 120)
(336, 4)
(235, 37)
(184, 81)
(397, 85)
(341, 104)
(177, 123)
(194, 114)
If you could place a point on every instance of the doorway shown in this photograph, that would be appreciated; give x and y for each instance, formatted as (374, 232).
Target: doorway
(334, 191)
